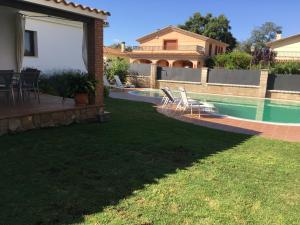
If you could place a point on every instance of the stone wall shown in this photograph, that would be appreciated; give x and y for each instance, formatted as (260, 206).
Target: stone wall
(16, 124)
(285, 95)
(139, 81)
(259, 91)
(224, 89)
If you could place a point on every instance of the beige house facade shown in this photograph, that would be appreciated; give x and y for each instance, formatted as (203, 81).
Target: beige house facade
(175, 47)
(287, 49)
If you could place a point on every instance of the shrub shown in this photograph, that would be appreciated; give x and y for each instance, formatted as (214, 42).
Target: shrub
(286, 68)
(210, 63)
(65, 83)
(117, 66)
(57, 84)
(233, 60)
(81, 83)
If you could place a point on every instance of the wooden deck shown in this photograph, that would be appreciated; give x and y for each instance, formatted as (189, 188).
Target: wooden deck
(52, 111)
(48, 103)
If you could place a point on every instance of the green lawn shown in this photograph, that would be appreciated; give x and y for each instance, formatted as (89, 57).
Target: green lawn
(142, 168)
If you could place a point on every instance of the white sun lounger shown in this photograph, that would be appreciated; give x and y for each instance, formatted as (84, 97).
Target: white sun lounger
(107, 84)
(120, 85)
(191, 104)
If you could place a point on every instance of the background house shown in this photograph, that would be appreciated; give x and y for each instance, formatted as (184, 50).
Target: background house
(175, 47)
(287, 49)
(110, 52)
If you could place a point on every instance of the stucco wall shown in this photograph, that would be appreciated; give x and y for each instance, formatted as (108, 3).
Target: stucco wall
(182, 40)
(59, 44)
(7, 39)
(288, 45)
(288, 49)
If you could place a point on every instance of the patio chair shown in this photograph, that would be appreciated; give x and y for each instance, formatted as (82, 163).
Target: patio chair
(170, 96)
(193, 104)
(106, 83)
(120, 85)
(29, 82)
(6, 84)
(168, 99)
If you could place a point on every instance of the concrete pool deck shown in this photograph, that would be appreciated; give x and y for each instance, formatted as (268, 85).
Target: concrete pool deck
(272, 131)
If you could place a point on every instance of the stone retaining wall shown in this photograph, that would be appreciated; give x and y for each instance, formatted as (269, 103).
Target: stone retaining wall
(204, 86)
(224, 89)
(285, 95)
(16, 124)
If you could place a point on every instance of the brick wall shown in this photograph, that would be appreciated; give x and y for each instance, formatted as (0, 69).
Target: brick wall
(95, 58)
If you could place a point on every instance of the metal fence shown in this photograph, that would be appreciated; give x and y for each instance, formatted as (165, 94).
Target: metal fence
(179, 74)
(140, 69)
(238, 77)
(284, 82)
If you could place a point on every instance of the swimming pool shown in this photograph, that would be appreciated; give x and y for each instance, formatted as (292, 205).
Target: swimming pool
(256, 109)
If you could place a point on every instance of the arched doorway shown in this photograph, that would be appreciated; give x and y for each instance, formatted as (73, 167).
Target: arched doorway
(145, 61)
(163, 63)
(183, 64)
(142, 61)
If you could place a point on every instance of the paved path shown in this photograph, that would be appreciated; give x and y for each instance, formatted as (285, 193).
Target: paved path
(279, 132)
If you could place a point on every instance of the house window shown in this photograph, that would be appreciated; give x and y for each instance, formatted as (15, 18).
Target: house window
(221, 50)
(216, 50)
(170, 44)
(210, 49)
(30, 43)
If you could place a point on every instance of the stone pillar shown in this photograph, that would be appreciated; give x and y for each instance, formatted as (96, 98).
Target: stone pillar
(153, 76)
(264, 74)
(195, 64)
(204, 75)
(95, 59)
(171, 63)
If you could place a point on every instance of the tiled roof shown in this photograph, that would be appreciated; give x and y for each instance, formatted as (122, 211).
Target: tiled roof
(283, 39)
(177, 29)
(114, 52)
(85, 8)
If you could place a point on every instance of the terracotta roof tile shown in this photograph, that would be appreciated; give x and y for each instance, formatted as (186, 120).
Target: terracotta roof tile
(86, 8)
(114, 51)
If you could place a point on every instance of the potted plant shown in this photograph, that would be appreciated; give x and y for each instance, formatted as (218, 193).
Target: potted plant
(80, 87)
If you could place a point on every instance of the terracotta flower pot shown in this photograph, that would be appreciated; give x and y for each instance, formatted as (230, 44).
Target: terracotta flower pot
(81, 99)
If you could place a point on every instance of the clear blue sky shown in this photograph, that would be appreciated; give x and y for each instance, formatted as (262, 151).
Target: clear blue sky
(131, 19)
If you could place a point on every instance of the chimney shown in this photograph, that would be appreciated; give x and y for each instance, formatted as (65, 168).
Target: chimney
(123, 47)
(278, 36)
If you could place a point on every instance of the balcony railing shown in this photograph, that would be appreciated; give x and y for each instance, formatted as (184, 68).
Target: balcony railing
(196, 48)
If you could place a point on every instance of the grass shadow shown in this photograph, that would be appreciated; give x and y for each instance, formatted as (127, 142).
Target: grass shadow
(59, 175)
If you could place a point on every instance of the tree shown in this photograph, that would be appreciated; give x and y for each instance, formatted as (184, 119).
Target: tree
(261, 35)
(213, 27)
(233, 60)
(116, 66)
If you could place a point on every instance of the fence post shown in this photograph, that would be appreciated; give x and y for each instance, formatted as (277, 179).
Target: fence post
(263, 83)
(204, 75)
(153, 76)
